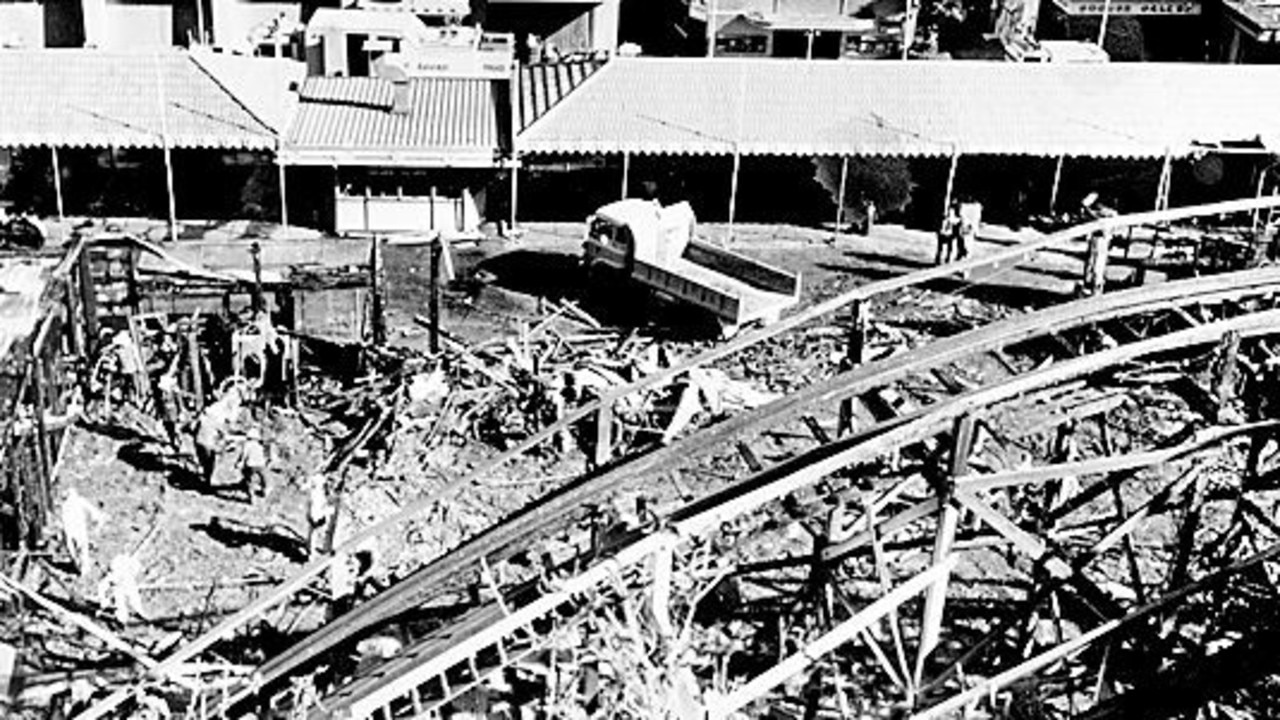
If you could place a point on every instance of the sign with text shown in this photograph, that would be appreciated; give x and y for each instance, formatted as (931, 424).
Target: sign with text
(1129, 7)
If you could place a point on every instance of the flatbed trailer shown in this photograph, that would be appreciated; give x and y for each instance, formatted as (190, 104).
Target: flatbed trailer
(654, 247)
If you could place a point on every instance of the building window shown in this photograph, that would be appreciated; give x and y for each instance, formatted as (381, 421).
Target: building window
(748, 45)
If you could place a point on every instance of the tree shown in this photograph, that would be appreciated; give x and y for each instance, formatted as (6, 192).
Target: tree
(885, 181)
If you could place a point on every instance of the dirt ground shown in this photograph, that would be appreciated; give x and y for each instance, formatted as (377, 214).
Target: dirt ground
(208, 551)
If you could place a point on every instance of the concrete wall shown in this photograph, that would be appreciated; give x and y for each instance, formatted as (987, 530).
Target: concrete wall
(21, 25)
(232, 21)
(127, 26)
(570, 26)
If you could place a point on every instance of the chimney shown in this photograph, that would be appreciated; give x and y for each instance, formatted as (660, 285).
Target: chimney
(400, 95)
(399, 79)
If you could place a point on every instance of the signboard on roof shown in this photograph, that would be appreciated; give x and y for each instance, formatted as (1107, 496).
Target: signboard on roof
(1129, 7)
(455, 63)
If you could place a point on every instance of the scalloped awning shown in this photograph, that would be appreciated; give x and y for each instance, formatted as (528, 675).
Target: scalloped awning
(92, 98)
(916, 108)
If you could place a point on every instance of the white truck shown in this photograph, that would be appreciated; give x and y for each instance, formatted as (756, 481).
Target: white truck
(655, 247)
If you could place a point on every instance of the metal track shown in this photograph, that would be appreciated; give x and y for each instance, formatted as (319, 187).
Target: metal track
(416, 683)
(497, 544)
(419, 587)
(553, 511)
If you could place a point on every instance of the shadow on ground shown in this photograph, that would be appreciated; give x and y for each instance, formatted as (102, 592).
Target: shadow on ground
(274, 537)
(609, 297)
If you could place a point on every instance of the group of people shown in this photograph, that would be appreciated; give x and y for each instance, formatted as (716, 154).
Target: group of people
(119, 587)
(958, 231)
(219, 425)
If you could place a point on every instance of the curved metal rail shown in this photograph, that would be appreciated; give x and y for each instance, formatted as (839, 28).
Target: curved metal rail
(389, 604)
(491, 637)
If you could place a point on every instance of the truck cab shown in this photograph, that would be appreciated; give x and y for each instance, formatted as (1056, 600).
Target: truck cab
(655, 247)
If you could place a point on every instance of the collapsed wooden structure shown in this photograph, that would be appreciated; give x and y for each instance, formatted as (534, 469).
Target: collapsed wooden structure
(898, 463)
(61, 312)
(38, 292)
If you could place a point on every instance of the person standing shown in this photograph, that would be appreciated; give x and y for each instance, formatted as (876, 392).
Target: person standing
(253, 464)
(77, 514)
(319, 512)
(121, 587)
(970, 220)
(211, 430)
(947, 234)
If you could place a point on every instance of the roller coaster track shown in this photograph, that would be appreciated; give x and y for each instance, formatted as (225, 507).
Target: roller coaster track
(885, 397)
(498, 634)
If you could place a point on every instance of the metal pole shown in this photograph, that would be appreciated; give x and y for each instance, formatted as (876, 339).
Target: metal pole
(711, 28)
(733, 190)
(515, 191)
(1102, 26)
(255, 252)
(284, 190)
(168, 155)
(1166, 180)
(431, 211)
(1057, 181)
(844, 182)
(57, 179)
(366, 206)
(200, 22)
(626, 174)
(1262, 180)
(951, 181)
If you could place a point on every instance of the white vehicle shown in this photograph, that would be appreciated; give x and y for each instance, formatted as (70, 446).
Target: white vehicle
(655, 247)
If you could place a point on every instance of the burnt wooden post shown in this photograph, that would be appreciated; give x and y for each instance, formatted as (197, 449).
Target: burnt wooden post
(131, 279)
(88, 298)
(1228, 371)
(857, 333)
(855, 351)
(603, 449)
(42, 449)
(193, 357)
(375, 289)
(433, 299)
(948, 517)
(255, 250)
(75, 342)
(1095, 264)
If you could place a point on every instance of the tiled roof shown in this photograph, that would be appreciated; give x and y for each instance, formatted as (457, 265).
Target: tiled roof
(543, 85)
(262, 85)
(92, 98)
(787, 107)
(450, 121)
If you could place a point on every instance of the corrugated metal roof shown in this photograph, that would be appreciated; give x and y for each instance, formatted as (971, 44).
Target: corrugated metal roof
(791, 7)
(787, 107)
(370, 92)
(92, 98)
(543, 85)
(450, 121)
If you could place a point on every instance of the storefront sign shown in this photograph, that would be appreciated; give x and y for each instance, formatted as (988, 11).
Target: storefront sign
(1128, 7)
